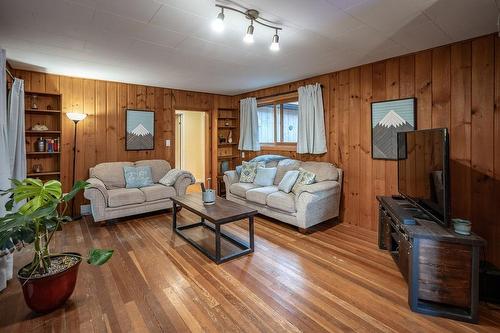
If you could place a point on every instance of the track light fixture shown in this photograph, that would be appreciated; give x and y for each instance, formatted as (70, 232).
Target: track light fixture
(249, 35)
(253, 16)
(275, 45)
(218, 23)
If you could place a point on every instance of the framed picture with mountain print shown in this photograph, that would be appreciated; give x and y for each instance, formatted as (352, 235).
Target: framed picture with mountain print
(389, 118)
(140, 130)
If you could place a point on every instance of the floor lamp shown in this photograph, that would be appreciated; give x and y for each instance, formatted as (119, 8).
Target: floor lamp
(75, 117)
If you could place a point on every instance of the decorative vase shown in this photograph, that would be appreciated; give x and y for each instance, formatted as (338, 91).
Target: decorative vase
(230, 137)
(47, 293)
(40, 145)
(10, 266)
(34, 104)
(3, 273)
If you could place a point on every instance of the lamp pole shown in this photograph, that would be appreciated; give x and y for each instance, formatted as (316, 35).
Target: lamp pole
(75, 117)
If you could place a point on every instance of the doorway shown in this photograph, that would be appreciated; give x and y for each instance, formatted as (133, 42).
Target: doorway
(191, 142)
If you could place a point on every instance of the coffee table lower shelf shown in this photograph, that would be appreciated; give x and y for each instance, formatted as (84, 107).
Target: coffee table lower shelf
(245, 247)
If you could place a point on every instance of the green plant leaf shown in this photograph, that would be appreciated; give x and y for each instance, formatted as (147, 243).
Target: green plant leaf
(97, 257)
(79, 185)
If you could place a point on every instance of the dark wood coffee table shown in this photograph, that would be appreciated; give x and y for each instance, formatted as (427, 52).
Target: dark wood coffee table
(220, 213)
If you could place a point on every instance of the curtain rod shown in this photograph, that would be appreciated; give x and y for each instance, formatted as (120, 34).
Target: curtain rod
(10, 74)
(283, 93)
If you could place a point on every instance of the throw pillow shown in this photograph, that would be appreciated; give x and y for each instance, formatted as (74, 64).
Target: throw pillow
(304, 178)
(249, 171)
(288, 181)
(265, 176)
(170, 178)
(136, 177)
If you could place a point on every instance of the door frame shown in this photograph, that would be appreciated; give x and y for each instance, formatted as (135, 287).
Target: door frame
(208, 139)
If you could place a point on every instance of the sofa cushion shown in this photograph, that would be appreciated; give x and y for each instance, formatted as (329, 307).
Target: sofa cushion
(265, 176)
(111, 174)
(259, 194)
(282, 201)
(240, 189)
(305, 178)
(283, 167)
(125, 196)
(322, 170)
(159, 168)
(158, 192)
(288, 181)
(136, 177)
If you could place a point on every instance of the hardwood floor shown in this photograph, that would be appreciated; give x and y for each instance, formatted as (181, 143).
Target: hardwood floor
(332, 280)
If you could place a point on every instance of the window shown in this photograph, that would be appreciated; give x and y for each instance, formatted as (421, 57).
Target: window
(278, 122)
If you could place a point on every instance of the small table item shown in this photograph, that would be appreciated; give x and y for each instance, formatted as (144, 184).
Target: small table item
(222, 212)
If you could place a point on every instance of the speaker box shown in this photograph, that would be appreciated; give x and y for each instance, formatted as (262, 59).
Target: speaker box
(489, 282)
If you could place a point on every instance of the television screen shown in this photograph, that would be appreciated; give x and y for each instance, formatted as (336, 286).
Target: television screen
(423, 171)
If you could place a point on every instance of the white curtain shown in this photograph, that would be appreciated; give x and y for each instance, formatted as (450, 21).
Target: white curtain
(17, 146)
(249, 125)
(311, 138)
(12, 150)
(4, 164)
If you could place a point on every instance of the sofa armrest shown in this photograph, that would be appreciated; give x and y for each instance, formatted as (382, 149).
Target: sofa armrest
(230, 177)
(96, 190)
(182, 182)
(318, 188)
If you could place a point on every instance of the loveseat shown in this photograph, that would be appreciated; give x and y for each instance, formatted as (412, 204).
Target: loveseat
(310, 205)
(110, 199)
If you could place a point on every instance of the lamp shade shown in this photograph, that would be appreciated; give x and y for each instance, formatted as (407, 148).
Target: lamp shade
(75, 116)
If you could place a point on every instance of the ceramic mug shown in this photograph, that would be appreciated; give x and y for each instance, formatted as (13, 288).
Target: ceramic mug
(208, 196)
(462, 227)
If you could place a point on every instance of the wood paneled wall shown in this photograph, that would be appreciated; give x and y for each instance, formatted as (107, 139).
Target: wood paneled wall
(457, 86)
(101, 136)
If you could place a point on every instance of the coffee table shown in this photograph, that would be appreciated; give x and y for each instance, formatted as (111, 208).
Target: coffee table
(220, 213)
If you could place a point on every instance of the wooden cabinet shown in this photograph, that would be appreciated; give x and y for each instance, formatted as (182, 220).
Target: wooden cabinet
(440, 266)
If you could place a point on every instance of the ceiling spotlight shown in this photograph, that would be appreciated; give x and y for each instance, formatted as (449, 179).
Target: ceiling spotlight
(249, 36)
(275, 45)
(218, 23)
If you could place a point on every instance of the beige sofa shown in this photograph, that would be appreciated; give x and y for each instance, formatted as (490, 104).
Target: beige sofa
(109, 199)
(313, 204)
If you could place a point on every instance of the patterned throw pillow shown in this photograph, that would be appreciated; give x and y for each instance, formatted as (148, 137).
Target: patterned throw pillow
(171, 176)
(136, 177)
(249, 171)
(304, 178)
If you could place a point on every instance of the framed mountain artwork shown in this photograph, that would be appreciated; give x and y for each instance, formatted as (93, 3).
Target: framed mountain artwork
(389, 118)
(140, 127)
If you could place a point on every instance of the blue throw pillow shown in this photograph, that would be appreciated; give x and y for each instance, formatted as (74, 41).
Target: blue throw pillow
(265, 176)
(136, 177)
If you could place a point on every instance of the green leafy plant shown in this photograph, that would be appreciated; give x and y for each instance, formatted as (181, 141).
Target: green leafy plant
(37, 218)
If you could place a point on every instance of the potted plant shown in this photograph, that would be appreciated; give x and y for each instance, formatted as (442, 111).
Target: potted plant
(50, 278)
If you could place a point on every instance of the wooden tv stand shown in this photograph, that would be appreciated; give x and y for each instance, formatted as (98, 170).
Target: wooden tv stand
(440, 266)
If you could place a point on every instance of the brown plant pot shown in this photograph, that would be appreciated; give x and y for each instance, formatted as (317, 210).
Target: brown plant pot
(47, 293)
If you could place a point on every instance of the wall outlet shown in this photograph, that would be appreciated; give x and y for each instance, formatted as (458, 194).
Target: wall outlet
(167, 143)
(85, 210)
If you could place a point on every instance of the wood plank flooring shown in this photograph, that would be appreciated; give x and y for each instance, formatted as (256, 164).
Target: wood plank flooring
(333, 280)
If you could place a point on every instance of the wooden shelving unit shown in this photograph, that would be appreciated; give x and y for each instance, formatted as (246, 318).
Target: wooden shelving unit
(228, 155)
(43, 109)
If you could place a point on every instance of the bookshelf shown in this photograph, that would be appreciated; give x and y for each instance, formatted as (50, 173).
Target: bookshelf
(43, 109)
(228, 156)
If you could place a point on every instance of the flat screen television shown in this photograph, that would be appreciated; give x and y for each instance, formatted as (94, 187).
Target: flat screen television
(423, 171)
